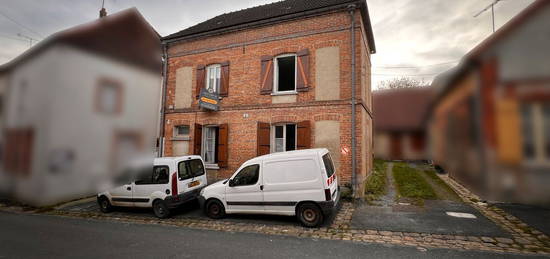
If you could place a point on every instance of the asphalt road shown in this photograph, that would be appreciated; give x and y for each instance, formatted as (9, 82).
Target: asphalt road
(33, 236)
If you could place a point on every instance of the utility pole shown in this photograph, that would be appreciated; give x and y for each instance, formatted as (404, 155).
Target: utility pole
(30, 39)
(492, 6)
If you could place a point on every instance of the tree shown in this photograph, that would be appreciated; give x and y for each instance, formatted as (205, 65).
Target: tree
(401, 82)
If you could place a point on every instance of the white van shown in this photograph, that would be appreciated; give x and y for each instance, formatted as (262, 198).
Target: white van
(301, 183)
(171, 182)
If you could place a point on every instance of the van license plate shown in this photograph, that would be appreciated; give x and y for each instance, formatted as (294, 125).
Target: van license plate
(193, 184)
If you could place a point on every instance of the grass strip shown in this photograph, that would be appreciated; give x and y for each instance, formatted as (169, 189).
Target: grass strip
(411, 184)
(376, 183)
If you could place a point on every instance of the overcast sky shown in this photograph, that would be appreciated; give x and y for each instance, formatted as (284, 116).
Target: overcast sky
(416, 38)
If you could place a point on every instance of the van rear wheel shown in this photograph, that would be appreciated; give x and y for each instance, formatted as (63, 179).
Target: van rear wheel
(215, 209)
(310, 215)
(161, 209)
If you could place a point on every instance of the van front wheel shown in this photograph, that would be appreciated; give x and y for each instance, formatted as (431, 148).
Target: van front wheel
(310, 215)
(215, 209)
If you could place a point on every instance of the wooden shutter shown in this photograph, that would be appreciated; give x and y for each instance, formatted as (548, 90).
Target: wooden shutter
(197, 139)
(263, 138)
(224, 85)
(302, 82)
(266, 84)
(304, 135)
(222, 145)
(201, 75)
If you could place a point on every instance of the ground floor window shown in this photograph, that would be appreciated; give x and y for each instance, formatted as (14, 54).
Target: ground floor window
(283, 137)
(535, 123)
(209, 144)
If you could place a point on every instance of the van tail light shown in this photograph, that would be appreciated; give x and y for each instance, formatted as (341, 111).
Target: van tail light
(175, 185)
(328, 197)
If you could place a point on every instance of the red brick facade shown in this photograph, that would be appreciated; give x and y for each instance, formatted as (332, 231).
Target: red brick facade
(244, 106)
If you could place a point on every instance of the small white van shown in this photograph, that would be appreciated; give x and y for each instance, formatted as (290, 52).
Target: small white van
(171, 182)
(301, 183)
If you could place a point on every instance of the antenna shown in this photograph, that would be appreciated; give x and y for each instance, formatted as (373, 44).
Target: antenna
(28, 38)
(492, 6)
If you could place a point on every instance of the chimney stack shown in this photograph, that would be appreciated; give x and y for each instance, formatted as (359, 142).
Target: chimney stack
(102, 13)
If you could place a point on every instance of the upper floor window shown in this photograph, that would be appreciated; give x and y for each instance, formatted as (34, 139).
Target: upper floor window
(213, 78)
(109, 97)
(285, 73)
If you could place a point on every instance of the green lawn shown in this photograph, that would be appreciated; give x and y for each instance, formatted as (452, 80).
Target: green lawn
(411, 184)
(376, 184)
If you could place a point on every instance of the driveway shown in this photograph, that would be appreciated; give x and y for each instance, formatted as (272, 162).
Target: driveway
(446, 215)
(536, 217)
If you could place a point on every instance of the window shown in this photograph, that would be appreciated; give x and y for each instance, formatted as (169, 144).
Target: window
(285, 73)
(284, 138)
(108, 99)
(181, 131)
(535, 122)
(527, 129)
(159, 176)
(209, 152)
(247, 176)
(546, 111)
(329, 166)
(190, 168)
(213, 75)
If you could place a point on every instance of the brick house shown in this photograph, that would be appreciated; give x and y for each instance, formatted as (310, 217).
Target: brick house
(490, 122)
(283, 72)
(399, 124)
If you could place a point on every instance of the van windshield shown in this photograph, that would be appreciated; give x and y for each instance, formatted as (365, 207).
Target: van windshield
(328, 165)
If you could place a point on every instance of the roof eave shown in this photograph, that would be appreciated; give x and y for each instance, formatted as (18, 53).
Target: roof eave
(264, 22)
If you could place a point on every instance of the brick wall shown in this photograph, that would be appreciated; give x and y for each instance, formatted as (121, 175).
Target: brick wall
(245, 106)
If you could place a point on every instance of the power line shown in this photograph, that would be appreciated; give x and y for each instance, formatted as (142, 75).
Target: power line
(21, 25)
(12, 38)
(414, 67)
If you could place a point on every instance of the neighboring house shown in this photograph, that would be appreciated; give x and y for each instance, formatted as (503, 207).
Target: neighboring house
(399, 128)
(284, 73)
(490, 122)
(76, 105)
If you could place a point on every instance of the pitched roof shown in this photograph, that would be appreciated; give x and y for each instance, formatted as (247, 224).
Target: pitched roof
(444, 82)
(264, 14)
(401, 109)
(124, 36)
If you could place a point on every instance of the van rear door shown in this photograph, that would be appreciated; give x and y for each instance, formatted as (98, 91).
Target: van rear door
(331, 182)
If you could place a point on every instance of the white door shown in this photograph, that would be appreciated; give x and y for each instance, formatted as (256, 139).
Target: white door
(245, 193)
(122, 195)
(148, 182)
(191, 177)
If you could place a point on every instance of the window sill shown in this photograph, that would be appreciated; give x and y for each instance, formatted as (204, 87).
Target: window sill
(284, 93)
(212, 166)
(181, 138)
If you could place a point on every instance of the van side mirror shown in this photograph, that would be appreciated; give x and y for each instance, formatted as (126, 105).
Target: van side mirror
(231, 183)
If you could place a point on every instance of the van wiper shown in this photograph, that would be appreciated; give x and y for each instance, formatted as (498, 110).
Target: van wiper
(224, 182)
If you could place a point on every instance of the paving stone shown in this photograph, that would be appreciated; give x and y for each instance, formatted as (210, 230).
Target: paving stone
(487, 239)
(504, 240)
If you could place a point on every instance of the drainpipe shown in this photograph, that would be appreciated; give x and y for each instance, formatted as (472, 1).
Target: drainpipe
(353, 122)
(163, 102)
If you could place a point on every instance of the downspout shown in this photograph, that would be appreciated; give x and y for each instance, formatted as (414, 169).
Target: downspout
(353, 122)
(163, 102)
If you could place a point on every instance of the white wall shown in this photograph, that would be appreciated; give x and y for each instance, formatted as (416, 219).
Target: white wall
(60, 106)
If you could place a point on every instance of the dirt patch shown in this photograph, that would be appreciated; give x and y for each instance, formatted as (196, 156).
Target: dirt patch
(441, 189)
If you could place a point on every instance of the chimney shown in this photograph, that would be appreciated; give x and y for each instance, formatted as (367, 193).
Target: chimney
(102, 12)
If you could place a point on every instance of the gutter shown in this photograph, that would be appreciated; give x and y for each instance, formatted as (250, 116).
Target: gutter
(163, 102)
(351, 9)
